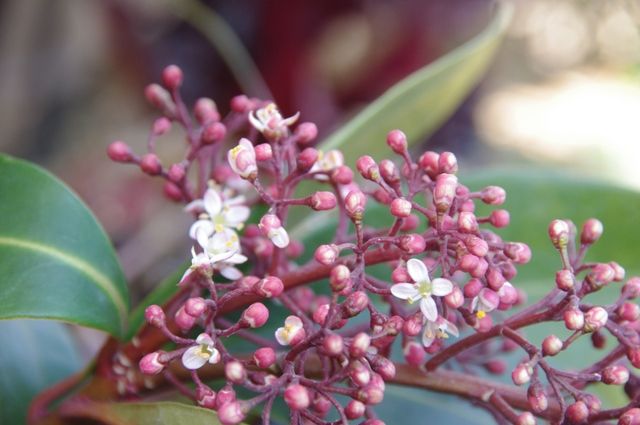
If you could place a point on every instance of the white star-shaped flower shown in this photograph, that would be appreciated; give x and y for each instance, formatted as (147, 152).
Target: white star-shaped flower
(270, 122)
(440, 328)
(197, 356)
(422, 289)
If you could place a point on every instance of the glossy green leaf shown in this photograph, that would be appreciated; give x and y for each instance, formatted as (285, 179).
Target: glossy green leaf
(34, 355)
(57, 262)
(420, 103)
(160, 413)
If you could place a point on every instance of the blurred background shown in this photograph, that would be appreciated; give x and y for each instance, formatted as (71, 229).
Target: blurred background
(563, 91)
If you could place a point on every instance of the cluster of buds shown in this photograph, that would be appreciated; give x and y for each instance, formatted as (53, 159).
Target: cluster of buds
(444, 297)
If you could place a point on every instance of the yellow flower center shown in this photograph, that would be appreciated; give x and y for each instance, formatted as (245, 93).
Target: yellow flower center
(480, 314)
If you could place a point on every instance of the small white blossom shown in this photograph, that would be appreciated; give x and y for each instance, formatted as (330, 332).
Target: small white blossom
(291, 332)
(422, 289)
(197, 356)
(327, 162)
(440, 328)
(198, 261)
(270, 122)
(242, 159)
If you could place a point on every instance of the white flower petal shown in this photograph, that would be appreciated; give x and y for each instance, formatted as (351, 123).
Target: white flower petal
(204, 225)
(282, 336)
(215, 355)
(212, 202)
(231, 273)
(474, 303)
(247, 145)
(204, 338)
(451, 328)
(429, 308)
(195, 206)
(404, 291)
(280, 237)
(191, 359)
(417, 270)
(236, 215)
(222, 256)
(429, 334)
(255, 122)
(294, 322)
(441, 287)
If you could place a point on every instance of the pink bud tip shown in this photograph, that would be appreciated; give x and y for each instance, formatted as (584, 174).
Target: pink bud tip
(559, 233)
(231, 413)
(339, 277)
(150, 364)
(359, 345)
(577, 413)
(213, 132)
(521, 374)
(355, 303)
(447, 163)
(573, 319)
(205, 111)
(413, 243)
(551, 345)
(493, 195)
(297, 397)
(429, 164)
(326, 254)
(306, 159)
(526, 418)
(235, 372)
(206, 397)
(264, 357)
(306, 132)
(255, 316)
(591, 231)
(322, 201)
(632, 287)
(240, 103)
(176, 173)
(397, 141)
(499, 218)
(564, 280)
(615, 375)
(119, 151)
(333, 345)
(264, 152)
(195, 306)
(150, 164)
(368, 168)
(269, 287)
(595, 318)
(154, 315)
(184, 320)
(444, 191)
(172, 77)
(161, 126)
(630, 417)
(400, 208)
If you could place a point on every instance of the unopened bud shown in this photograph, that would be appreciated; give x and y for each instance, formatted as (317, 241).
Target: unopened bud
(591, 231)
(444, 191)
(306, 159)
(632, 287)
(615, 375)
(172, 77)
(263, 152)
(413, 243)
(455, 298)
(150, 164)
(184, 320)
(322, 201)
(537, 398)
(522, 374)
(195, 306)
(154, 315)
(520, 253)
(447, 163)
(206, 397)
(354, 204)
(339, 278)
(595, 318)
(371, 395)
(255, 316)
(240, 103)
(269, 287)
(477, 246)
(306, 132)
(205, 111)
(629, 311)
(565, 279)
(618, 271)
(397, 141)
(355, 303)
(400, 208)
(359, 345)
(499, 218)
(526, 418)
(354, 409)
(326, 254)
(551, 345)
(368, 168)
(332, 345)
(467, 222)
(633, 354)
(119, 151)
(577, 413)
(150, 364)
(342, 175)
(235, 372)
(264, 357)
(601, 275)
(176, 173)
(389, 172)
(493, 195)
(630, 417)
(231, 413)
(573, 319)
(559, 233)
(429, 163)
(161, 126)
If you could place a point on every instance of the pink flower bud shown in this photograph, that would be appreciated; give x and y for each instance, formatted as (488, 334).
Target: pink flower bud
(359, 373)
(235, 372)
(383, 366)
(248, 282)
(172, 77)
(633, 354)
(354, 204)
(320, 314)
(333, 344)
(499, 218)
(564, 279)
(161, 126)
(496, 367)
(297, 397)
(389, 172)
(444, 191)
(577, 413)
(447, 163)
(429, 163)
(322, 201)
(205, 110)
(326, 254)
(632, 287)
(397, 141)
(520, 253)
(225, 395)
(495, 278)
(522, 374)
(630, 417)
(467, 263)
(412, 244)
(306, 132)
(601, 275)
(573, 319)
(263, 152)
(467, 222)
(368, 168)
(359, 345)
(176, 173)
(595, 318)
(150, 164)
(354, 409)
(591, 231)
(480, 269)
(559, 233)
(355, 303)
(339, 277)
(264, 357)
(184, 320)
(151, 364)
(342, 175)
(615, 375)
(410, 223)
(195, 306)
(414, 354)
(537, 398)
(493, 195)
(400, 208)
(172, 192)
(455, 298)
(159, 98)
(119, 151)
(269, 287)
(154, 315)
(231, 413)
(551, 345)
(477, 246)
(240, 103)
(400, 274)
(618, 271)
(629, 311)
(472, 288)
(526, 418)
(306, 159)
(370, 395)
(206, 397)
(255, 316)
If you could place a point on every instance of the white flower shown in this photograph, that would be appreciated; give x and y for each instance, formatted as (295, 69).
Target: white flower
(292, 332)
(223, 250)
(486, 301)
(242, 159)
(197, 356)
(279, 237)
(422, 289)
(220, 213)
(440, 328)
(327, 162)
(270, 122)
(198, 261)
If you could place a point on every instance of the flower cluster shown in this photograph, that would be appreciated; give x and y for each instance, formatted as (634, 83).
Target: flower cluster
(443, 297)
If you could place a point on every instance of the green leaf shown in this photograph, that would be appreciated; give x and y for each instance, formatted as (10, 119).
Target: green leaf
(160, 413)
(57, 262)
(35, 354)
(420, 103)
